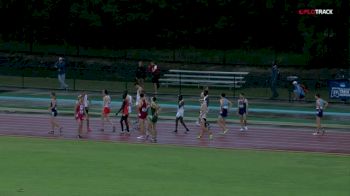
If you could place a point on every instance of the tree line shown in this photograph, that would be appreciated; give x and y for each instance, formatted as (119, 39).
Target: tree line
(172, 24)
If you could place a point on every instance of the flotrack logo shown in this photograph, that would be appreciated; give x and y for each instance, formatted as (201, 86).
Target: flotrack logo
(315, 12)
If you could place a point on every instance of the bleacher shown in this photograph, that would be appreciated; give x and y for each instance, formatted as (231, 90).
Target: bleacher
(204, 78)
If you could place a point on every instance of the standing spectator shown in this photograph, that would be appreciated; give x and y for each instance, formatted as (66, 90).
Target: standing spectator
(155, 71)
(61, 68)
(141, 74)
(274, 77)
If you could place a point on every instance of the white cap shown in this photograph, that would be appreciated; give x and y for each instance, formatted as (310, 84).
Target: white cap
(295, 82)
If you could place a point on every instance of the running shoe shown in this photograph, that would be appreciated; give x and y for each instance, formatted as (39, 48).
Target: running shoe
(211, 136)
(246, 128)
(316, 133)
(242, 129)
(226, 130)
(141, 137)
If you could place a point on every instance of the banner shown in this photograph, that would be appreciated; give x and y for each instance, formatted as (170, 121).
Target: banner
(339, 89)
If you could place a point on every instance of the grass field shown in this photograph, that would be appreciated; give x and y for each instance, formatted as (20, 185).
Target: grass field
(65, 167)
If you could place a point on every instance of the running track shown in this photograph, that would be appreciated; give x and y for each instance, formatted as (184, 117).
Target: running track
(260, 137)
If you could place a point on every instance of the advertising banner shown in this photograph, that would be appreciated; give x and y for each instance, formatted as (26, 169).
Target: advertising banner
(339, 89)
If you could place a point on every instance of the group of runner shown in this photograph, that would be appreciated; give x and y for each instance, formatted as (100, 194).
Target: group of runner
(148, 113)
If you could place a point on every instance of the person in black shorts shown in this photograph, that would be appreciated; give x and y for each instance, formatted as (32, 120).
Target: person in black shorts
(86, 102)
(155, 71)
(320, 106)
(54, 113)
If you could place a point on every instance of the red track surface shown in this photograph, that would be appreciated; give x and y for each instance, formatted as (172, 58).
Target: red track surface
(257, 137)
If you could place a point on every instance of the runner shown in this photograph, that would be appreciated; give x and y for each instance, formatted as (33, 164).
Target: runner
(130, 102)
(80, 115)
(203, 95)
(139, 90)
(106, 110)
(142, 114)
(203, 119)
(320, 106)
(125, 114)
(86, 105)
(243, 111)
(53, 110)
(225, 104)
(180, 114)
(152, 120)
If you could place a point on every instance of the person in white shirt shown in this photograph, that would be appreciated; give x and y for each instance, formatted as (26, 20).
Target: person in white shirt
(106, 110)
(180, 114)
(86, 102)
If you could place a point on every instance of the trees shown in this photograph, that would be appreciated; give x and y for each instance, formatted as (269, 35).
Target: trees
(220, 24)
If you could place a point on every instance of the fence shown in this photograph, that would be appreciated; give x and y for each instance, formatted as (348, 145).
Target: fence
(95, 78)
(225, 57)
(119, 75)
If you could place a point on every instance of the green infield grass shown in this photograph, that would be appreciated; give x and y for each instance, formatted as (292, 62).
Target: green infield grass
(48, 167)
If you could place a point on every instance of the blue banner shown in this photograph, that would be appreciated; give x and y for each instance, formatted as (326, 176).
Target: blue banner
(339, 89)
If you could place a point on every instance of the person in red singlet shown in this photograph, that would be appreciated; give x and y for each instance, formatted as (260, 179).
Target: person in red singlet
(142, 114)
(125, 114)
(106, 110)
(80, 115)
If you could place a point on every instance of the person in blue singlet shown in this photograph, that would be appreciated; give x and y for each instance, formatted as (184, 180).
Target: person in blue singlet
(225, 104)
(53, 111)
(320, 106)
(242, 108)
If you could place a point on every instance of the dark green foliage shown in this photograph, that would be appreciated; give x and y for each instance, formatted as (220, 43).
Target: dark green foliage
(173, 24)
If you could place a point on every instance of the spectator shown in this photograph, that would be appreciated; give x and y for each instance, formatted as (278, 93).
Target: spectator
(299, 92)
(141, 74)
(274, 77)
(155, 71)
(61, 68)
